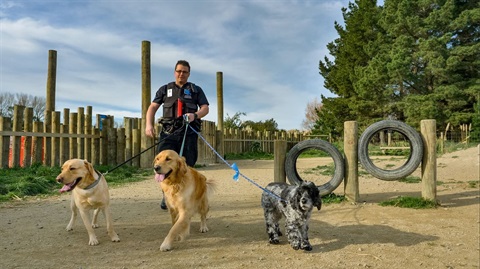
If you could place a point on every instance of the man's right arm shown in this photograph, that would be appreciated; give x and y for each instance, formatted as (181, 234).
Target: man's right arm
(150, 118)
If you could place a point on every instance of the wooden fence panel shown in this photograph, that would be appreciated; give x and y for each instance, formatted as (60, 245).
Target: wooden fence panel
(55, 143)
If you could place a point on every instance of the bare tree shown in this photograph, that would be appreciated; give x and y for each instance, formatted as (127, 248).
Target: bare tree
(22, 99)
(38, 104)
(9, 100)
(311, 114)
(6, 104)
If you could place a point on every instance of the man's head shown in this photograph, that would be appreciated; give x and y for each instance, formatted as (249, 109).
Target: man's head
(181, 72)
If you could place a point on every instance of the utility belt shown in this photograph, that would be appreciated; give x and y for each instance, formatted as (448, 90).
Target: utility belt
(177, 125)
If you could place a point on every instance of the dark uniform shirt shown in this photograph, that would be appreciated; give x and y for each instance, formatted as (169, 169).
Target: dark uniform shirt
(192, 96)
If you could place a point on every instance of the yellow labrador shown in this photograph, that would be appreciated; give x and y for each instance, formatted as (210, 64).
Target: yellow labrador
(89, 191)
(186, 193)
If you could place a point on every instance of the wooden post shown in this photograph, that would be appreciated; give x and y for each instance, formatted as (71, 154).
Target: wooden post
(37, 143)
(27, 127)
(146, 78)
(50, 104)
(55, 140)
(103, 141)
(146, 142)
(96, 146)
(120, 145)
(351, 161)
(72, 129)
(136, 137)
(88, 131)
(5, 125)
(65, 141)
(51, 81)
(47, 141)
(17, 127)
(429, 162)
(81, 131)
(440, 144)
(280, 153)
(219, 146)
(112, 146)
(64, 147)
(128, 123)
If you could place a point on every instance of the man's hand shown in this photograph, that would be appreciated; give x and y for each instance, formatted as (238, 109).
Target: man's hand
(191, 117)
(150, 131)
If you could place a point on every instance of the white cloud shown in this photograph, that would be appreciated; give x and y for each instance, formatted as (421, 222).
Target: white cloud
(268, 52)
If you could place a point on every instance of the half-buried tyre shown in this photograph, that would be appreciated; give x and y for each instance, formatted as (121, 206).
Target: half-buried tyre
(291, 164)
(413, 161)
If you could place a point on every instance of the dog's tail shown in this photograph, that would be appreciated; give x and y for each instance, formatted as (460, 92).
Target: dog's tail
(211, 187)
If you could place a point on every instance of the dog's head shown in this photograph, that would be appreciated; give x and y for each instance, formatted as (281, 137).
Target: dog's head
(76, 172)
(168, 162)
(306, 196)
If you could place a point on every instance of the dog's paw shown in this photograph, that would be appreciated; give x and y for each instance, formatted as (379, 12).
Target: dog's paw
(69, 228)
(307, 247)
(295, 246)
(203, 229)
(274, 241)
(115, 238)
(165, 247)
(94, 225)
(93, 241)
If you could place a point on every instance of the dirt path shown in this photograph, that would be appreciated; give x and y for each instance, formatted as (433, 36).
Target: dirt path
(346, 235)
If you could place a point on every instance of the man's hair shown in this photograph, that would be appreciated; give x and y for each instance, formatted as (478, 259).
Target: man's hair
(184, 63)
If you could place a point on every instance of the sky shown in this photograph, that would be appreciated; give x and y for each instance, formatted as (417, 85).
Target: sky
(267, 50)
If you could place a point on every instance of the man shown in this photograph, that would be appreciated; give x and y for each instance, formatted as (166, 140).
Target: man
(178, 98)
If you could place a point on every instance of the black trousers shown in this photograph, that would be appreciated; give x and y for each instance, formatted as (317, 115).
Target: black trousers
(174, 142)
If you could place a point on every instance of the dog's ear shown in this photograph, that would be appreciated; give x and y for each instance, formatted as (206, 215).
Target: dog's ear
(294, 198)
(89, 167)
(314, 194)
(317, 199)
(182, 165)
(318, 202)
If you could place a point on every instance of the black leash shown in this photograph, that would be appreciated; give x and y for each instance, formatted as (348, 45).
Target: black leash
(143, 151)
(155, 144)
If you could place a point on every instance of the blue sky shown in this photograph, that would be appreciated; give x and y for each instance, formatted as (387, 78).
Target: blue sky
(268, 51)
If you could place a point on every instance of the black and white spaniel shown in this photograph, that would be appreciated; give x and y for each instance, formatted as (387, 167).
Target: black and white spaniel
(296, 203)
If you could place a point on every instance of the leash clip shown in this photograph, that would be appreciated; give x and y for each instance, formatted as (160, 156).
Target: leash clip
(185, 118)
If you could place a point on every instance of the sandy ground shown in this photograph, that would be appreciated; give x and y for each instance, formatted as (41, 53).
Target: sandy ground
(346, 235)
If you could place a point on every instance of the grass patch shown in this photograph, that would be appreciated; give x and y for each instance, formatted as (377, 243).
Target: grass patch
(325, 170)
(410, 179)
(410, 202)
(38, 180)
(473, 184)
(249, 156)
(332, 198)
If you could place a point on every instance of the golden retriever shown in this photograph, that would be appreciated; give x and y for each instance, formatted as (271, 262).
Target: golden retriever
(186, 193)
(89, 191)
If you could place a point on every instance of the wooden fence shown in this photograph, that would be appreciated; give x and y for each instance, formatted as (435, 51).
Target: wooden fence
(24, 142)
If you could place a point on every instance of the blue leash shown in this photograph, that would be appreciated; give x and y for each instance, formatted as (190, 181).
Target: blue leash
(235, 168)
(185, 118)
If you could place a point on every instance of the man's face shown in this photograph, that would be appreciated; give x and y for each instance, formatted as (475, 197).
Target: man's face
(181, 74)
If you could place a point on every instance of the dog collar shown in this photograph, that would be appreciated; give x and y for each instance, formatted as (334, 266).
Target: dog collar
(95, 182)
